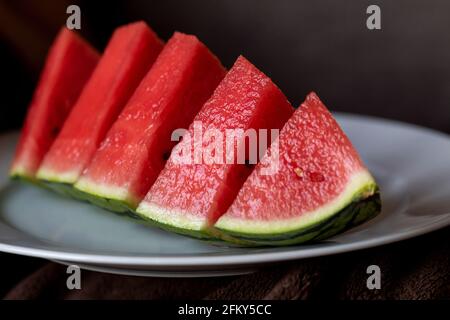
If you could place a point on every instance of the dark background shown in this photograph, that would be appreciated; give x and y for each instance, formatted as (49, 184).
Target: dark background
(401, 71)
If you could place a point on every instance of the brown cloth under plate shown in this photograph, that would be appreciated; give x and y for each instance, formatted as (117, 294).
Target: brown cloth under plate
(414, 269)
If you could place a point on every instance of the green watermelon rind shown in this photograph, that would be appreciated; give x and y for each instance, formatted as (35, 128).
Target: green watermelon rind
(117, 206)
(21, 176)
(107, 197)
(18, 172)
(359, 185)
(114, 205)
(153, 215)
(68, 190)
(365, 205)
(59, 184)
(358, 211)
(120, 207)
(66, 185)
(351, 216)
(126, 208)
(196, 234)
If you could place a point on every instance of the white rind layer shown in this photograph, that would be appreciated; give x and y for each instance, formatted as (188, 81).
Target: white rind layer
(20, 171)
(68, 177)
(175, 218)
(360, 184)
(110, 192)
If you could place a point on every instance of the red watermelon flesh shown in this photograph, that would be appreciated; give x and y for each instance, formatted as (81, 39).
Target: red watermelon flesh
(132, 155)
(319, 174)
(190, 197)
(69, 64)
(129, 54)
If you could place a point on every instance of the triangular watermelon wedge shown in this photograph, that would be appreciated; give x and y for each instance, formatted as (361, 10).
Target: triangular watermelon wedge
(321, 186)
(69, 65)
(128, 56)
(189, 197)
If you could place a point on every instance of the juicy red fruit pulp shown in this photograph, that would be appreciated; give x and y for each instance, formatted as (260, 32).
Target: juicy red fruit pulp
(137, 146)
(130, 52)
(69, 65)
(316, 163)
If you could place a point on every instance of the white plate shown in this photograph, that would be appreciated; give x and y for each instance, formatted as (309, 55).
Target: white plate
(411, 164)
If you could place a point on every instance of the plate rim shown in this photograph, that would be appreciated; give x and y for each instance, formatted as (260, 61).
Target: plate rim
(219, 259)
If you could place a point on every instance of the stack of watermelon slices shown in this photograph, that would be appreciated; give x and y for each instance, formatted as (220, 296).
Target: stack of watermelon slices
(128, 56)
(69, 65)
(133, 153)
(117, 150)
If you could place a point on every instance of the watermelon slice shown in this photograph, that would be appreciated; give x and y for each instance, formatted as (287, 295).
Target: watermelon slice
(321, 186)
(131, 157)
(189, 198)
(129, 54)
(69, 64)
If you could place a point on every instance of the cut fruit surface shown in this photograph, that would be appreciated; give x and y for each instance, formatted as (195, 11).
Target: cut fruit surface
(321, 186)
(138, 144)
(69, 64)
(189, 197)
(129, 54)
